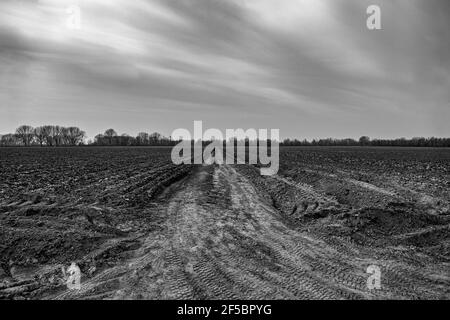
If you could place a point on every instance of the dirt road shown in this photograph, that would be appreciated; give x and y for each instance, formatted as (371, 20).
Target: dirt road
(222, 240)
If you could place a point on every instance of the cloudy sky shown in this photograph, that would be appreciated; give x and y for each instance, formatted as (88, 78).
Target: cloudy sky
(308, 67)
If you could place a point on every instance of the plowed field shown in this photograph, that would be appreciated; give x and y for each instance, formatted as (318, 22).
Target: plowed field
(140, 227)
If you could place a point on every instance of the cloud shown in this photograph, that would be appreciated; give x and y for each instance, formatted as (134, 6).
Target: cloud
(308, 67)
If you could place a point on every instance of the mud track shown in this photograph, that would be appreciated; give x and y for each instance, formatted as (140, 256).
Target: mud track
(222, 240)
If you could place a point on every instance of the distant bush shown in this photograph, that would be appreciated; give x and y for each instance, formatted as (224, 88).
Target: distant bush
(366, 141)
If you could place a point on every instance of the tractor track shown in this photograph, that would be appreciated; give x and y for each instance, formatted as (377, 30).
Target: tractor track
(221, 240)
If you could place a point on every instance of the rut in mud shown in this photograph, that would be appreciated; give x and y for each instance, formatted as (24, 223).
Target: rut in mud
(221, 239)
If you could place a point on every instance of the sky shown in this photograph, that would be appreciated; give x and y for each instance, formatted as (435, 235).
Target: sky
(310, 68)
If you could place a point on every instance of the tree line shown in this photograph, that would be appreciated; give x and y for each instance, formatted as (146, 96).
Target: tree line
(111, 138)
(48, 135)
(366, 141)
(54, 136)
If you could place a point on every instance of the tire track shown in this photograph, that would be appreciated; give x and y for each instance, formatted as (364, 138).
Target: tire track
(221, 240)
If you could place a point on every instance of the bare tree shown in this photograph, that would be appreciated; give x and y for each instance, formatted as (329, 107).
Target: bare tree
(155, 138)
(125, 140)
(9, 139)
(25, 133)
(75, 135)
(64, 136)
(57, 134)
(39, 134)
(53, 135)
(110, 134)
(142, 138)
(98, 139)
(48, 136)
(364, 140)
